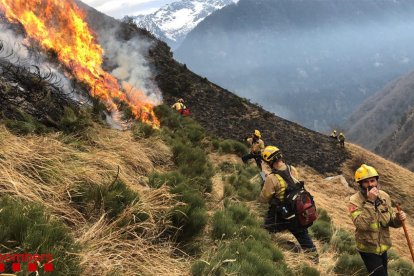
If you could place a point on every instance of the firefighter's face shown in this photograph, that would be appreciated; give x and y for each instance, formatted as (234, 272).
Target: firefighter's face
(369, 183)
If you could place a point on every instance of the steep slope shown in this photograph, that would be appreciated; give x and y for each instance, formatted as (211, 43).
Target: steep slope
(174, 21)
(386, 117)
(327, 55)
(219, 111)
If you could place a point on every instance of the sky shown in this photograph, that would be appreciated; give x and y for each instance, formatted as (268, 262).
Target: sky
(120, 8)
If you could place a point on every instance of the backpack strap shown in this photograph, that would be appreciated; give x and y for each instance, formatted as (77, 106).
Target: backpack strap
(287, 182)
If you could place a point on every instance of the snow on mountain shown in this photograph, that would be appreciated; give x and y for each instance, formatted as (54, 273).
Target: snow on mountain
(174, 21)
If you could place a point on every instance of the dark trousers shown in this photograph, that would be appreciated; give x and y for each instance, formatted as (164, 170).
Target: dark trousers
(375, 264)
(257, 157)
(274, 223)
(342, 143)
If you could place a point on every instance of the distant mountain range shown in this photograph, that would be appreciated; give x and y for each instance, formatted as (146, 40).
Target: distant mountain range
(174, 21)
(310, 61)
(384, 123)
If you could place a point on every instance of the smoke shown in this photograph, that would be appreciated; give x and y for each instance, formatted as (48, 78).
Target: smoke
(128, 64)
(18, 51)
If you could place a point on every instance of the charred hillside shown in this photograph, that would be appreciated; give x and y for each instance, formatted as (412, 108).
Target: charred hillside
(221, 112)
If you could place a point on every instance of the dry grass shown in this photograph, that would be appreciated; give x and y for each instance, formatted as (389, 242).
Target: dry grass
(332, 195)
(47, 169)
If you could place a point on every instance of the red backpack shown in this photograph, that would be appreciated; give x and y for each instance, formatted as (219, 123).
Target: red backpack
(298, 202)
(185, 112)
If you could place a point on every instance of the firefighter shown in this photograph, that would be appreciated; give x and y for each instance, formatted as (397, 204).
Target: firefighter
(333, 135)
(372, 214)
(179, 106)
(256, 147)
(341, 139)
(273, 192)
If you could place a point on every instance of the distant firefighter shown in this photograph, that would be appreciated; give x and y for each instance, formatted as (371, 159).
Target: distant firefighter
(341, 139)
(256, 147)
(181, 108)
(333, 135)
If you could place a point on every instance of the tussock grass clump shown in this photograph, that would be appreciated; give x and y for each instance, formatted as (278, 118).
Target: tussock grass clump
(72, 121)
(24, 124)
(401, 267)
(139, 247)
(191, 178)
(142, 130)
(350, 264)
(307, 270)
(27, 228)
(233, 146)
(322, 227)
(189, 218)
(343, 242)
(112, 199)
(49, 171)
(244, 248)
(242, 179)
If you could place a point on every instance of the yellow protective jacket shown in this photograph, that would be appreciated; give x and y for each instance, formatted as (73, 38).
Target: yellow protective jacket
(341, 137)
(257, 146)
(178, 106)
(372, 223)
(275, 185)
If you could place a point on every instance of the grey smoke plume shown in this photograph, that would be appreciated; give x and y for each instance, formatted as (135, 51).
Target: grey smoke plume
(16, 51)
(130, 66)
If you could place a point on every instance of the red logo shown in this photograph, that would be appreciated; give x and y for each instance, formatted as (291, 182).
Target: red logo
(34, 262)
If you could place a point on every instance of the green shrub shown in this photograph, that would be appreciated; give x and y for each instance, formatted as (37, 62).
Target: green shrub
(321, 230)
(223, 225)
(226, 167)
(190, 218)
(232, 146)
(72, 121)
(348, 264)
(401, 267)
(343, 241)
(168, 117)
(113, 199)
(142, 130)
(25, 124)
(307, 270)
(323, 215)
(172, 179)
(242, 184)
(228, 190)
(26, 228)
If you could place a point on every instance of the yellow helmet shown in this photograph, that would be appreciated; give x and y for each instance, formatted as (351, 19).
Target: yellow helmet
(257, 133)
(180, 100)
(365, 172)
(271, 153)
(334, 131)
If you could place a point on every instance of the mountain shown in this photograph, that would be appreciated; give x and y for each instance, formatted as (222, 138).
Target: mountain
(312, 62)
(384, 122)
(174, 21)
(173, 200)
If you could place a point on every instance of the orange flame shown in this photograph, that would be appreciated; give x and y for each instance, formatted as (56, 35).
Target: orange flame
(59, 25)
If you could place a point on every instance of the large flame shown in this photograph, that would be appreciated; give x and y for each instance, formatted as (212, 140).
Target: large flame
(59, 25)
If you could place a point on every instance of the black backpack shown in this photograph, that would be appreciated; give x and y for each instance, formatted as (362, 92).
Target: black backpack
(298, 205)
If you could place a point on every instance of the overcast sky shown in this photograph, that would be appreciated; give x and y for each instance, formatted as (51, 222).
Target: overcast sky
(120, 8)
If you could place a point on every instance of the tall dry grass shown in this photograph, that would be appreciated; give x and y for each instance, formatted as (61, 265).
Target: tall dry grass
(48, 169)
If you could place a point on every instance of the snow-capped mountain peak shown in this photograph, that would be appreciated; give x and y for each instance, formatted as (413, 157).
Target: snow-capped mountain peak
(174, 21)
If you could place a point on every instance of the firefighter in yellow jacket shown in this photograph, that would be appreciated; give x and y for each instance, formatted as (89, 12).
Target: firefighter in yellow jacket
(372, 215)
(179, 106)
(256, 147)
(273, 193)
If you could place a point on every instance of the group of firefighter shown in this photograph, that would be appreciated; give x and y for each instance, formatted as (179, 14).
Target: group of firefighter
(370, 208)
